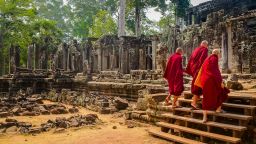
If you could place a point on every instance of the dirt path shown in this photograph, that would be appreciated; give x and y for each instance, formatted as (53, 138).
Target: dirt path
(100, 134)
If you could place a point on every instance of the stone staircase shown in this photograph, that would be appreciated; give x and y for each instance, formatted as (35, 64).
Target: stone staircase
(183, 125)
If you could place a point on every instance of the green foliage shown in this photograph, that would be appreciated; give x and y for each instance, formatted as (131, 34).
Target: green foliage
(21, 26)
(103, 24)
(143, 5)
(181, 6)
(45, 32)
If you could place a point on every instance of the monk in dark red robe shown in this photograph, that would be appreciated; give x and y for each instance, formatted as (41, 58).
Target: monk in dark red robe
(214, 92)
(174, 75)
(196, 60)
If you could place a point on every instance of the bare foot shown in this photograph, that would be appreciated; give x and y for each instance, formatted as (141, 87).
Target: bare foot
(194, 107)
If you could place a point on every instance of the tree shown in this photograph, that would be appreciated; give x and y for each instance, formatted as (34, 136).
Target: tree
(138, 7)
(58, 11)
(15, 17)
(121, 18)
(180, 8)
(102, 24)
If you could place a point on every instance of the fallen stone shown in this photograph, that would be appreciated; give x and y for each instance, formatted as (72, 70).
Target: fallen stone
(24, 130)
(24, 124)
(74, 123)
(59, 130)
(235, 85)
(130, 126)
(120, 103)
(73, 110)
(11, 120)
(3, 130)
(4, 114)
(59, 110)
(114, 127)
(11, 129)
(35, 130)
(28, 113)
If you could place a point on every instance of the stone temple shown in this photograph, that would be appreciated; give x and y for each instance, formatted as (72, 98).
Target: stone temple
(110, 73)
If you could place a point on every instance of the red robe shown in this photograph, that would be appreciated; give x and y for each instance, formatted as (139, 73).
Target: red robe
(213, 94)
(196, 60)
(174, 74)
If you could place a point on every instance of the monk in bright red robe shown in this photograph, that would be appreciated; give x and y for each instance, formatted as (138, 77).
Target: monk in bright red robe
(214, 92)
(196, 60)
(174, 75)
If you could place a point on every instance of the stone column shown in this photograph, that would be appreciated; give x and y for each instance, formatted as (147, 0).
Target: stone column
(224, 52)
(30, 57)
(65, 56)
(231, 62)
(99, 53)
(68, 59)
(142, 59)
(154, 47)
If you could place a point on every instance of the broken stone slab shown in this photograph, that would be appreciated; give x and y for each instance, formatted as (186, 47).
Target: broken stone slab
(120, 103)
(73, 110)
(59, 130)
(59, 110)
(74, 123)
(4, 114)
(11, 120)
(235, 85)
(28, 113)
(35, 130)
(11, 129)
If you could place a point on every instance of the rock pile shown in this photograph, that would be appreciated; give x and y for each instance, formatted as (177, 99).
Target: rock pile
(93, 100)
(59, 124)
(30, 106)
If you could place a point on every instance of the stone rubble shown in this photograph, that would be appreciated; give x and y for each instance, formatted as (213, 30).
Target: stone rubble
(22, 105)
(59, 124)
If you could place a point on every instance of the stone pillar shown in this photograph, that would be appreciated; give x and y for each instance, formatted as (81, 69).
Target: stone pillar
(224, 52)
(142, 59)
(30, 57)
(154, 47)
(72, 62)
(231, 62)
(11, 60)
(36, 56)
(65, 56)
(99, 53)
(68, 59)
(122, 56)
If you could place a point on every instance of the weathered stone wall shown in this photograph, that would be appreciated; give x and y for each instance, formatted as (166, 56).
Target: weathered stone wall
(230, 29)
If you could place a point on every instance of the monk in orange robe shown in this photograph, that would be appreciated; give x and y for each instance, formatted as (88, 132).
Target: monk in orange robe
(174, 75)
(196, 60)
(210, 80)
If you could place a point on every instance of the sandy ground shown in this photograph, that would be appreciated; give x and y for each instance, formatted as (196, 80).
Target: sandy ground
(103, 133)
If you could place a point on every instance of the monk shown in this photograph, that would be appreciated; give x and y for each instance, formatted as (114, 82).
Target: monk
(174, 75)
(210, 80)
(195, 62)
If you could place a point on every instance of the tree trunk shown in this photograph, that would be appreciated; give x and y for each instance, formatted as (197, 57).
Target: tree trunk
(137, 19)
(121, 21)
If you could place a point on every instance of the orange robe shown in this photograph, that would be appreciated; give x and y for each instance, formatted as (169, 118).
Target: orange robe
(196, 60)
(210, 80)
(174, 74)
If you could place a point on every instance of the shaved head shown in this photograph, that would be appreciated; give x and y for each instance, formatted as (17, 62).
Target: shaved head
(216, 51)
(179, 50)
(204, 43)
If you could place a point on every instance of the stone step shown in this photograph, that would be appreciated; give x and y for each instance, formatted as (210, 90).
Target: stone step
(200, 133)
(186, 109)
(159, 97)
(234, 128)
(231, 105)
(232, 95)
(173, 138)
